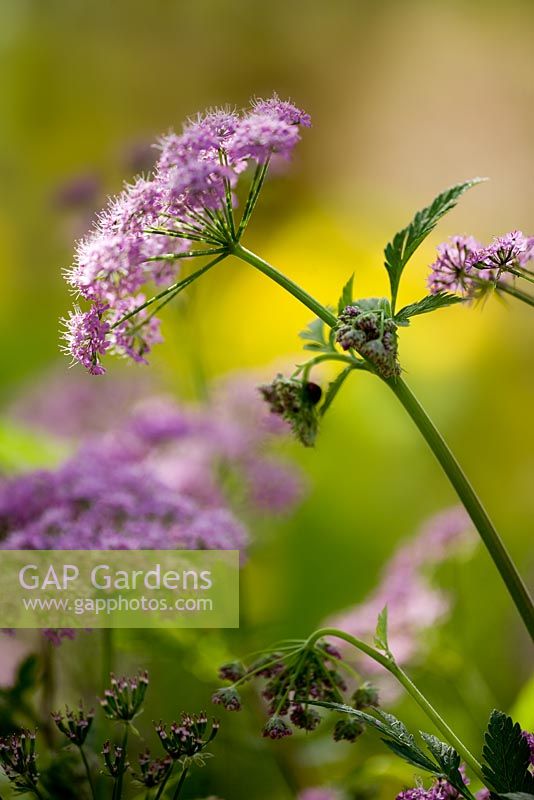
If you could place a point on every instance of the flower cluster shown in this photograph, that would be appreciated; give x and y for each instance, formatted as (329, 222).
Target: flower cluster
(294, 677)
(530, 741)
(188, 738)
(294, 401)
(366, 328)
(18, 760)
(114, 759)
(75, 725)
(152, 771)
(187, 201)
(464, 266)
(440, 789)
(123, 701)
(184, 742)
(414, 604)
(503, 254)
(158, 480)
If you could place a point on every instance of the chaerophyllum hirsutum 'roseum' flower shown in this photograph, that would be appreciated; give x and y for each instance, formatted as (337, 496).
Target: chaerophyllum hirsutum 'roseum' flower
(466, 267)
(183, 210)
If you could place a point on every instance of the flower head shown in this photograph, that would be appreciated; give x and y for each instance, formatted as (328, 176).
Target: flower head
(123, 701)
(152, 771)
(276, 728)
(293, 679)
(529, 737)
(187, 202)
(450, 271)
(282, 110)
(86, 335)
(75, 725)
(189, 737)
(18, 759)
(348, 729)
(261, 135)
(295, 401)
(440, 789)
(504, 253)
(228, 697)
(113, 759)
(232, 671)
(366, 696)
(366, 328)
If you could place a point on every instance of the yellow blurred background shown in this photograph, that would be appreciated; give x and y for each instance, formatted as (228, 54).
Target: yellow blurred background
(406, 98)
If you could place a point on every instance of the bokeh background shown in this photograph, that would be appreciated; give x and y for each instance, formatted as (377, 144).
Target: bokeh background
(406, 98)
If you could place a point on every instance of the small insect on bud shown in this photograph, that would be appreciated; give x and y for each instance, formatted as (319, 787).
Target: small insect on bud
(313, 392)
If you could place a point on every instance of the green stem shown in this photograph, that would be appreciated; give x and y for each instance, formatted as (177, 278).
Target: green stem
(286, 283)
(513, 291)
(164, 782)
(519, 273)
(467, 495)
(388, 663)
(120, 777)
(48, 688)
(474, 507)
(180, 784)
(88, 772)
(108, 655)
(175, 288)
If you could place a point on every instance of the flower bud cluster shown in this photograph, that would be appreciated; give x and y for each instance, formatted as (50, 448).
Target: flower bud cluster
(372, 334)
(294, 679)
(296, 402)
(75, 725)
(123, 701)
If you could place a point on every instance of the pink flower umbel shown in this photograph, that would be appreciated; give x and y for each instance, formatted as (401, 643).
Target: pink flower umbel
(183, 210)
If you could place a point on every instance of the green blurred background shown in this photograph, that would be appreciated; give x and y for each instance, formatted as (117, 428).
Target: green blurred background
(406, 98)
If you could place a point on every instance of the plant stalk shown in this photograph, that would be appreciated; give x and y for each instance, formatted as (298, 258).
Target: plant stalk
(88, 772)
(118, 787)
(470, 500)
(513, 291)
(180, 784)
(164, 782)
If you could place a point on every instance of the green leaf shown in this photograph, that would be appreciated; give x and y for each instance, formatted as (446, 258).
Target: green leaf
(404, 244)
(449, 761)
(507, 756)
(346, 295)
(394, 734)
(431, 302)
(333, 388)
(517, 796)
(381, 633)
(314, 335)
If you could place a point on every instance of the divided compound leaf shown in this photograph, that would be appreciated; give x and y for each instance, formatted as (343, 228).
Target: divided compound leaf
(404, 244)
